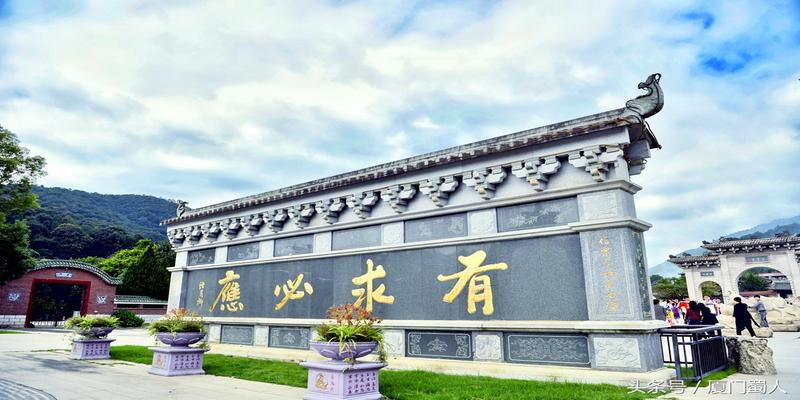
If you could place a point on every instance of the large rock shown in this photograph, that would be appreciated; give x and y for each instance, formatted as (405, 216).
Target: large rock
(750, 355)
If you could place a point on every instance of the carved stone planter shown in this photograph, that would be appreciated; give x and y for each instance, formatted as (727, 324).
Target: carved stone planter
(180, 339)
(91, 349)
(333, 380)
(351, 350)
(177, 361)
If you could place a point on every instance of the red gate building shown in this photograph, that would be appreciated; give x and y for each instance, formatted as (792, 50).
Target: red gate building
(55, 290)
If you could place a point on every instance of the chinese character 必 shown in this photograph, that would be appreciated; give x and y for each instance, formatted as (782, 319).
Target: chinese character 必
(290, 291)
(228, 297)
(480, 286)
(369, 293)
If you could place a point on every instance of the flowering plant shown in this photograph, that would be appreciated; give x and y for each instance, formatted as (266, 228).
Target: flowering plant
(177, 320)
(353, 324)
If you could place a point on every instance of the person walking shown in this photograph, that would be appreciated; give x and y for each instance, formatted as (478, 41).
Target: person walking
(742, 317)
(762, 311)
(693, 315)
(710, 304)
(708, 317)
(658, 310)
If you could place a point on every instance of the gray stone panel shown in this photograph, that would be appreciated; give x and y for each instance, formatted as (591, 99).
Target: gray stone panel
(453, 345)
(201, 257)
(241, 252)
(540, 348)
(537, 215)
(236, 334)
(294, 245)
(290, 337)
(487, 346)
(443, 227)
(642, 275)
(543, 281)
(615, 287)
(367, 236)
(626, 352)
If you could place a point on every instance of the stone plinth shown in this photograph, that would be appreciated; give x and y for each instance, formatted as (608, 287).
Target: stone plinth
(91, 349)
(750, 355)
(329, 380)
(176, 361)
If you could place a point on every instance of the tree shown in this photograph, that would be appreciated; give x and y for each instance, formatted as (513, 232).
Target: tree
(711, 289)
(750, 282)
(18, 172)
(125, 259)
(148, 277)
(70, 240)
(671, 288)
(655, 278)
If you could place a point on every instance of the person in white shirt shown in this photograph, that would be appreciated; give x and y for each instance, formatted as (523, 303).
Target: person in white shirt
(710, 304)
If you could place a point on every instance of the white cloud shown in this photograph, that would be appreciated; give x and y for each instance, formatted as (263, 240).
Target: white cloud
(212, 101)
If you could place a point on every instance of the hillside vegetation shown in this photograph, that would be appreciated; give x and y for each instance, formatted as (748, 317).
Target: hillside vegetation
(77, 224)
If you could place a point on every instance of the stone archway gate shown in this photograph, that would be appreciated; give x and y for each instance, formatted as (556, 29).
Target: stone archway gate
(728, 259)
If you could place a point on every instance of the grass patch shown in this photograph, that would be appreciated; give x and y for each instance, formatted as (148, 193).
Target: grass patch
(13, 333)
(399, 385)
(716, 376)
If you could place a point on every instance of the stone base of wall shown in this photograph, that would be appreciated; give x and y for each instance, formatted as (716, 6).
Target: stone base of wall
(12, 320)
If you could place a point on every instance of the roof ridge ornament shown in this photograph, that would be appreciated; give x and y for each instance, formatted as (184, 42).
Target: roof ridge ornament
(648, 104)
(181, 208)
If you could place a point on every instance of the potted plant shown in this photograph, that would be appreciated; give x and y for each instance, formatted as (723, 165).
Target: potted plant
(353, 335)
(91, 343)
(179, 327)
(91, 327)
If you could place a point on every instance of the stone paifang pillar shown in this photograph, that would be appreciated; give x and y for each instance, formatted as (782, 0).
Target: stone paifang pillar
(523, 251)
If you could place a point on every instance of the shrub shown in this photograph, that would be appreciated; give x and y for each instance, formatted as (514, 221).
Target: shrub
(127, 319)
(89, 322)
(180, 320)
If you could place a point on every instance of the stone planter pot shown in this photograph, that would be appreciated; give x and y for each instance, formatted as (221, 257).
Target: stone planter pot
(351, 350)
(94, 333)
(180, 339)
(91, 349)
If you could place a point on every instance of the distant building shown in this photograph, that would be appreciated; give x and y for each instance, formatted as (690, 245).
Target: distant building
(148, 308)
(55, 290)
(728, 259)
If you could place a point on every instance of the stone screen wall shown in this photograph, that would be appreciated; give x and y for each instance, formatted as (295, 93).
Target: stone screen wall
(537, 278)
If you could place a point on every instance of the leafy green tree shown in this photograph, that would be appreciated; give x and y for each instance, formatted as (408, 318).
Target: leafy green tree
(655, 278)
(92, 260)
(671, 288)
(749, 281)
(125, 259)
(148, 276)
(711, 289)
(18, 171)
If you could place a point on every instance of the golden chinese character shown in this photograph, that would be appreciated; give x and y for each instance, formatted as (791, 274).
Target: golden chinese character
(200, 287)
(229, 294)
(290, 291)
(480, 286)
(605, 241)
(369, 293)
(613, 306)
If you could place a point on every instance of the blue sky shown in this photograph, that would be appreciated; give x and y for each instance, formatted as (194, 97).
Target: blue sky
(209, 101)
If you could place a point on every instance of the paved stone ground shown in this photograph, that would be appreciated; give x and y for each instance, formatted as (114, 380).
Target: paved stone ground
(29, 371)
(786, 353)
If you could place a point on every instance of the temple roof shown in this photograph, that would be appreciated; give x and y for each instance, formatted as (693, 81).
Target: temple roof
(694, 261)
(632, 115)
(133, 299)
(747, 245)
(42, 264)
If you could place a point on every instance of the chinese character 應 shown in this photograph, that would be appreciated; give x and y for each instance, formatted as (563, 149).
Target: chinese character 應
(228, 297)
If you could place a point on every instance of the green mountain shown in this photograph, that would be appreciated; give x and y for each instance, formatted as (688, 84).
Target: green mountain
(784, 226)
(74, 224)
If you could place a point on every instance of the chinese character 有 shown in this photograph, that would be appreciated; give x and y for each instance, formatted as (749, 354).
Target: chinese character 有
(480, 286)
